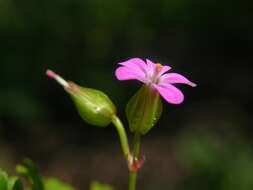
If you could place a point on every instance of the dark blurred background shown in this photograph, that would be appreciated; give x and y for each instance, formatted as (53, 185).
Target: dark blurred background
(205, 143)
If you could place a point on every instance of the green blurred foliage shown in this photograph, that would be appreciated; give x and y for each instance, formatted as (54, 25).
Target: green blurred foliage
(29, 170)
(3, 180)
(55, 184)
(95, 185)
(37, 182)
(9, 183)
(214, 161)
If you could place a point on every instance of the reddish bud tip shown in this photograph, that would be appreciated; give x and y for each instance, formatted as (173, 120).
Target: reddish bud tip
(56, 77)
(50, 74)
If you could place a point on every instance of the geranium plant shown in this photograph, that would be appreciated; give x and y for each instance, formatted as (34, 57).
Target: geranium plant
(143, 109)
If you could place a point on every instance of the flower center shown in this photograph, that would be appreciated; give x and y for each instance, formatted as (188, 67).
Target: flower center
(156, 76)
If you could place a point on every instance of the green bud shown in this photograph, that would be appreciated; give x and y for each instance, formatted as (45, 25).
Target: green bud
(144, 110)
(94, 106)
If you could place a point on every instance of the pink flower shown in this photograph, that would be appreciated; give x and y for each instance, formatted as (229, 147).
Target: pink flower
(155, 76)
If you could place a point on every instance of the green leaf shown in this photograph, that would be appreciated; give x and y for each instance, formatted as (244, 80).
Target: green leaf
(95, 185)
(29, 170)
(3, 180)
(55, 184)
(14, 183)
(144, 110)
(9, 183)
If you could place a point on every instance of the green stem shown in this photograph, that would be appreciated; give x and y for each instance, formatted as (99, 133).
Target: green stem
(123, 137)
(136, 150)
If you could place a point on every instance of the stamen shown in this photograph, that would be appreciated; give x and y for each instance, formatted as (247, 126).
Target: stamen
(158, 67)
(56, 77)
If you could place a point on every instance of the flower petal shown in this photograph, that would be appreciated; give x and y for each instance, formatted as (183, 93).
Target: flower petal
(173, 78)
(164, 69)
(170, 93)
(125, 73)
(151, 68)
(135, 64)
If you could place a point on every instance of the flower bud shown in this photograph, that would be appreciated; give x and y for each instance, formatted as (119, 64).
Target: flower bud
(144, 110)
(94, 106)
